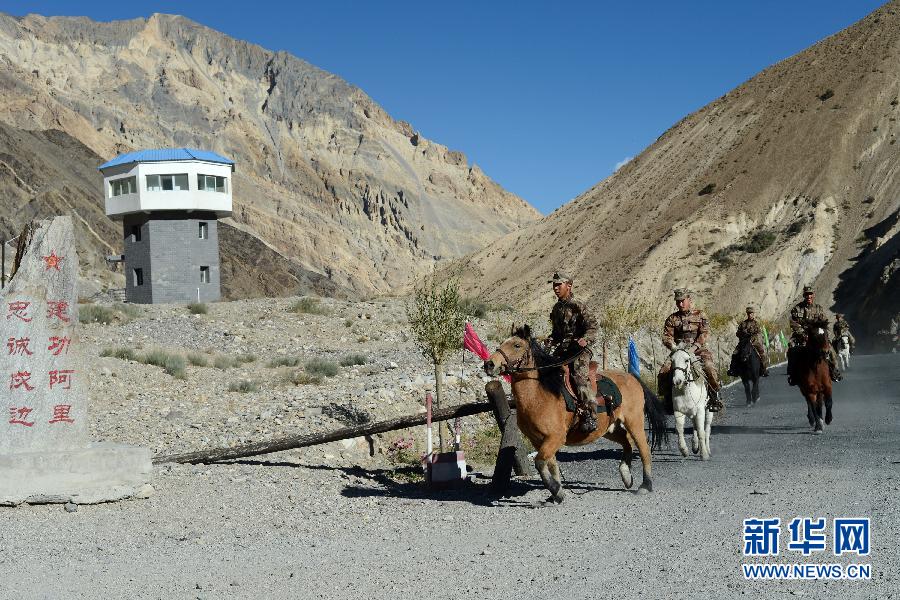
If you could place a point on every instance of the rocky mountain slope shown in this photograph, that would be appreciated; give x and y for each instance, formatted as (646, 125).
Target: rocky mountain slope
(784, 181)
(326, 180)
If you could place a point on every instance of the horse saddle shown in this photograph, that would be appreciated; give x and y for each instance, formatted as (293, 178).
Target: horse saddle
(605, 390)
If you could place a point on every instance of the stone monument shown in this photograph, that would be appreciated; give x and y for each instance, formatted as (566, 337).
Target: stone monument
(45, 453)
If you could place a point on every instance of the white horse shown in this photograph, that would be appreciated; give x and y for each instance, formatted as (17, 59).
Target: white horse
(843, 351)
(689, 397)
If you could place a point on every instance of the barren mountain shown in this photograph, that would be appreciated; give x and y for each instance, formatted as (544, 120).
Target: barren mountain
(328, 185)
(790, 179)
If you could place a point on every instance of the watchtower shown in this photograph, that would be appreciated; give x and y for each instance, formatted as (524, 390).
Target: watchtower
(169, 202)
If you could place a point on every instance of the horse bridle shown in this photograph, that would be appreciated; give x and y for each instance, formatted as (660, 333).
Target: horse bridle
(688, 370)
(509, 368)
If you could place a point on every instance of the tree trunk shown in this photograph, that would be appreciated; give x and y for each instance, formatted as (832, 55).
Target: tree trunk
(314, 439)
(438, 388)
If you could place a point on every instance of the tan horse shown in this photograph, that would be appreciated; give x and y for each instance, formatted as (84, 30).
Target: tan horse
(542, 416)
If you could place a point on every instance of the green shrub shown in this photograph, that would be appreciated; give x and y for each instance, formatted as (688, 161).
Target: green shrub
(243, 386)
(94, 313)
(223, 361)
(122, 353)
(128, 310)
(302, 378)
(759, 241)
(284, 361)
(474, 307)
(173, 364)
(354, 359)
(319, 366)
(197, 308)
(197, 360)
(310, 306)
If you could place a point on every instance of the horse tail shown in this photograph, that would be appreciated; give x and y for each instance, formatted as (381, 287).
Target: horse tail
(656, 417)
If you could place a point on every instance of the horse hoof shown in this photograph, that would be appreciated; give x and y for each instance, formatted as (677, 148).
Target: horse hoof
(704, 457)
(558, 499)
(643, 491)
(818, 431)
(695, 450)
(683, 451)
(828, 418)
(627, 477)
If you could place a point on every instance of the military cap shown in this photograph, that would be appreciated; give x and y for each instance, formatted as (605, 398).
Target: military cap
(750, 309)
(560, 277)
(807, 289)
(682, 293)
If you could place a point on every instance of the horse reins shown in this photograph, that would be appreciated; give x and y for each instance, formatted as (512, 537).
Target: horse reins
(510, 368)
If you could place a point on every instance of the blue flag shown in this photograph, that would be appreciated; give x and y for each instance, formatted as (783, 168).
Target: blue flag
(634, 362)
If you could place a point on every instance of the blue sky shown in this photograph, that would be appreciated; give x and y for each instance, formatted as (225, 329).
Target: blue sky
(547, 98)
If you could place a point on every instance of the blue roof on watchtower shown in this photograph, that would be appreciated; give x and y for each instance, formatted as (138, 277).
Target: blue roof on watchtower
(166, 155)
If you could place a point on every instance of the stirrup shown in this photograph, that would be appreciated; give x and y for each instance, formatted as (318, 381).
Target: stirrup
(588, 424)
(714, 404)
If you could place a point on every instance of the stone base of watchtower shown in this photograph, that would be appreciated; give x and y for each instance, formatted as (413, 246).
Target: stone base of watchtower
(97, 473)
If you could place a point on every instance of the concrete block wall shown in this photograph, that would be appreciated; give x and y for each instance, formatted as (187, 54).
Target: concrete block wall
(171, 253)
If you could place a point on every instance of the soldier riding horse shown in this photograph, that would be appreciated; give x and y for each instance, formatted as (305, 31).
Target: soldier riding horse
(811, 362)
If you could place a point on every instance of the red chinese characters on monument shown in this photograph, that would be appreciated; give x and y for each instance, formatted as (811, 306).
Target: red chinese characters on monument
(58, 310)
(20, 380)
(61, 414)
(59, 345)
(62, 377)
(18, 346)
(18, 415)
(18, 310)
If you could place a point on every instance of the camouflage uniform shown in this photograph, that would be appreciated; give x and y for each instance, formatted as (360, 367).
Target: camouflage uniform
(689, 327)
(803, 317)
(841, 328)
(572, 320)
(749, 329)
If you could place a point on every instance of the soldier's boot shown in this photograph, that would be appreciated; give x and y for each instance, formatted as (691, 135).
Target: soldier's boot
(833, 369)
(589, 407)
(714, 403)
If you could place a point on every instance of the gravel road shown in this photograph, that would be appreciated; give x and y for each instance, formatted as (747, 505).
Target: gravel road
(285, 527)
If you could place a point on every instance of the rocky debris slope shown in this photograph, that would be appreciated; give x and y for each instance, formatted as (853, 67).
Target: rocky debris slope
(325, 177)
(767, 189)
(241, 396)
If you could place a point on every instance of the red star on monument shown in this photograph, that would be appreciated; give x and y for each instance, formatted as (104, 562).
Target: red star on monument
(52, 261)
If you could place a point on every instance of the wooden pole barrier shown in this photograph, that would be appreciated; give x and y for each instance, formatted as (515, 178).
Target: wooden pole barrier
(511, 456)
(314, 439)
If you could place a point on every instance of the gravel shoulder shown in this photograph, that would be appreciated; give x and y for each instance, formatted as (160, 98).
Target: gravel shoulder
(302, 525)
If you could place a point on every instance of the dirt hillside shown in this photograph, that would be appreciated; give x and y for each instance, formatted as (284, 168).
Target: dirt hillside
(788, 180)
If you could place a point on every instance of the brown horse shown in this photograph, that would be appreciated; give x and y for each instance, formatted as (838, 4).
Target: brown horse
(541, 414)
(810, 370)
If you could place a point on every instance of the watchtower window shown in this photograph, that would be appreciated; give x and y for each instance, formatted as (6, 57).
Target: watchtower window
(204, 274)
(138, 277)
(125, 185)
(204, 231)
(212, 183)
(167, 183)
(135, 233)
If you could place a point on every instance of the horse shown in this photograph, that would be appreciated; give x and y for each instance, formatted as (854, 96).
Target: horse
(689, 398)
(809, 370)
(537, 384)
(842, 349)
(749, 367)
